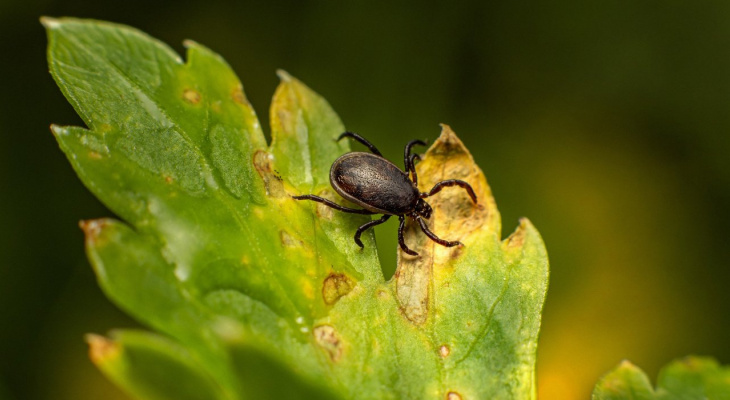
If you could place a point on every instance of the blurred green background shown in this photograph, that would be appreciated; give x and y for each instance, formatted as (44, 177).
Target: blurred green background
(606, 123)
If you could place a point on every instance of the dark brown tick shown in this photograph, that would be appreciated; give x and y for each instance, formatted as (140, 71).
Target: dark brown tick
(380, 187)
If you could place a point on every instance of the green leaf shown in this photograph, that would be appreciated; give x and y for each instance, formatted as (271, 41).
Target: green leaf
(151, 367)
(625, 382)
(214, 253)
(304, 129)
(687, 379)
(264, 376)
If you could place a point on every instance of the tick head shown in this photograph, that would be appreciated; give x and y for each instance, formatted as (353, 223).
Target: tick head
(423, 209)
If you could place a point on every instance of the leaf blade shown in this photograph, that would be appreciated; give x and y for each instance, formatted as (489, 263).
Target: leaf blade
(625, 382)
(151, 367)
(303, 129)
(688, 378)
(214, 236)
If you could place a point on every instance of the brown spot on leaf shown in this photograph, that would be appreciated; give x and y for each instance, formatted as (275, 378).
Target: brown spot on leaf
(327, 338)
(444, 351)
(191, 96)
(413, 275)
(288, 240)
(335, 286)
(101, 349)
(453, 396)
(262, 163)
(168, 179)
(103, 128)
(413, 280)
(94, 155)
(238, 96)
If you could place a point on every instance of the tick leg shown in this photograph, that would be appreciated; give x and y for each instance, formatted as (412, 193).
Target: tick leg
(451, 182)
(431, 235)
(332, 204)
(361, 140)
(367, 226)
(402, 241)
(414, 177)
(407, 160)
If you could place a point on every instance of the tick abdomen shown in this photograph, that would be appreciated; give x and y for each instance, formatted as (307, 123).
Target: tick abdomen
(374, 183)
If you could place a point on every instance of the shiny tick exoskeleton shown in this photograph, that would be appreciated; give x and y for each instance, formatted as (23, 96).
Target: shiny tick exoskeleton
(380, 187)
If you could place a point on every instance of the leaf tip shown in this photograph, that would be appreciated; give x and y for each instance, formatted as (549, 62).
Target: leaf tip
(188, 43)
(626, 364)
(93, 229)
(284, 76)
(58, 130)
(448, 143)
(101, 349)
(50, 22)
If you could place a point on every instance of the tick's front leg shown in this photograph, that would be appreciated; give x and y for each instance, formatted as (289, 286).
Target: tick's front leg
(330, 203)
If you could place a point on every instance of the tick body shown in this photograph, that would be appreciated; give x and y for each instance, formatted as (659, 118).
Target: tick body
(380, 187)
(373, 183)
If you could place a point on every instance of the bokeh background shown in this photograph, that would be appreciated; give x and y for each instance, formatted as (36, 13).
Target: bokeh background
(606, 123)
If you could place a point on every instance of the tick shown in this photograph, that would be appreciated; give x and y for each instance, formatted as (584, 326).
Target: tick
(380, 187)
